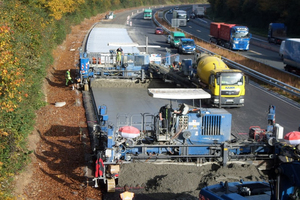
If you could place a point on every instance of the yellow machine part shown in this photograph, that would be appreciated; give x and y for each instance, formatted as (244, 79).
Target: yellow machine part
(111, 182)
(111, 185)
(114, 169)
(206, 64)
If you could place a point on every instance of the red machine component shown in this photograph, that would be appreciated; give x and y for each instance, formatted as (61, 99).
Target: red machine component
(257, 133)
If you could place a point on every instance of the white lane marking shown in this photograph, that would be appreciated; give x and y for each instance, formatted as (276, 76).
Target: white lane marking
(202, 20)
(255, 52)
(198, 31)
(258, 39)
(190, 27)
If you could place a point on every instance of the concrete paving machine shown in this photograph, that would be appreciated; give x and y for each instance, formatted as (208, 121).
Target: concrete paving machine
(106, 65)
(192, 135)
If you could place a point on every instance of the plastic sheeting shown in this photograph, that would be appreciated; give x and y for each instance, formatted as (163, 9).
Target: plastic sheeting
(100, 37)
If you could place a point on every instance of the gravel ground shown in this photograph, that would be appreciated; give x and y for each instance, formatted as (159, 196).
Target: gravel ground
(179, 181)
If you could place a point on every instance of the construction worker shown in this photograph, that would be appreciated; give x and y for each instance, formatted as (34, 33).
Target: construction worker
(119, 55)
(126, 195)
(68, 77)
(165, 113)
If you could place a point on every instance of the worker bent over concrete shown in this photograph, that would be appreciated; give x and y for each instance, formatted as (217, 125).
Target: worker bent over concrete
(68, 77)
(126, 195)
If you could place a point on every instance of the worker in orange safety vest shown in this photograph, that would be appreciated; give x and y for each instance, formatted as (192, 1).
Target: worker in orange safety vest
(126, 195)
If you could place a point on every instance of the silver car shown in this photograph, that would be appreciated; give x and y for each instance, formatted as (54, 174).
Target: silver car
(168, 40)
(110, 15)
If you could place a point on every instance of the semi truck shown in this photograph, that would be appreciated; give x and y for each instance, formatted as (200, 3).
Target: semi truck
(230, 36)
(148, 14)
(277, 33)
(199, 11)
(290, 54)
(180, 16)
(218, 79)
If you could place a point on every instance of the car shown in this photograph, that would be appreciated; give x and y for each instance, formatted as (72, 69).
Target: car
(186, 46)
(168, 39)
(110, 15)
(176, 8)
(192, 16)
(171, 11)
(159, 31)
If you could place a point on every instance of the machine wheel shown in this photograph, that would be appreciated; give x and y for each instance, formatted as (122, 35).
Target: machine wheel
(86, 87)
(111, 185)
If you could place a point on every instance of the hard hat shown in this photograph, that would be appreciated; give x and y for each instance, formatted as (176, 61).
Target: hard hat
(167, 106)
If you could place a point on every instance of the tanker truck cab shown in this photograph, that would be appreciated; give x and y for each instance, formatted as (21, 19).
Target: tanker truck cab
(175, 38)
(232, 88)
(212, 71)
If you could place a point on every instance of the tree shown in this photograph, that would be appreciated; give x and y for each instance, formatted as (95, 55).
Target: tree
(58, 8)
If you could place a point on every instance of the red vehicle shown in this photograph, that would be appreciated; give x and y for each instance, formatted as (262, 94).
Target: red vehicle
(159, 31)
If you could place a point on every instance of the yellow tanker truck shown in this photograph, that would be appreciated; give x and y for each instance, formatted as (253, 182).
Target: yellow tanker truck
(218, 78)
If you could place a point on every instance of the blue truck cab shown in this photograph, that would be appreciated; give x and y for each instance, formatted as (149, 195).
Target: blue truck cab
(240, 38)
(277, 33)
(186, 45)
